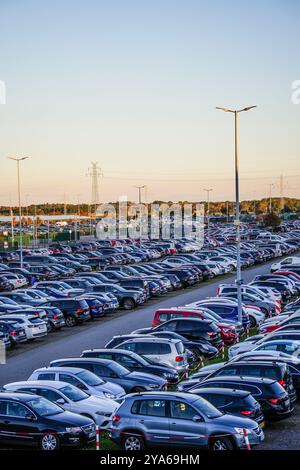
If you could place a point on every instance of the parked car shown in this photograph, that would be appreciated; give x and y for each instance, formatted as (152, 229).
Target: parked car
(82, 379)
(233, 401)
(164, 351)
(14, 330)
(272, 397)
(151, 419)
(134, 362)
(33, 326)
(27, 419)
(75, 311)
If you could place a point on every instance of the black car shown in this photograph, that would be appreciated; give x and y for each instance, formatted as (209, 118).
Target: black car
(186, 277)
(55, 316)
(42, 273)
(272, 397)
(198, 346)
(75, 311)
(193, 329)
(15, 332)
(264, 369)
(236, 402)
(134, 362)
(128, 299)
(28, 419)
(4, 337)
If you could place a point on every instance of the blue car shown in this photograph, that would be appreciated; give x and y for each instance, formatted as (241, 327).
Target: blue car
(181, 419)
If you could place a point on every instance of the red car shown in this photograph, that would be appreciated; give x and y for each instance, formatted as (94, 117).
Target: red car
(228, 332)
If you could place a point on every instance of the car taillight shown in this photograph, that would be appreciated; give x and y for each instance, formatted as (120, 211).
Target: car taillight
(116, 418)
(246, 412)
(210, 333)
(282, 383)
(13, 333)
(218, 292)
(54, 316)
(80, 310)
(178, 358)
(274, 401)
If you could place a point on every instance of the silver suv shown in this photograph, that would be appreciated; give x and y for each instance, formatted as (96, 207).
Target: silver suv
(170, 352)
(181, 419)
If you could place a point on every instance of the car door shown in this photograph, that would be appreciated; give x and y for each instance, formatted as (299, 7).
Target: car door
(152, 417)
(70, 379)
(184, 430)
(54, 396)
(15, 423)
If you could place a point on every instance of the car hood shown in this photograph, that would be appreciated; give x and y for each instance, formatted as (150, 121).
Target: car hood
(69, 419)
(99, 404)
(110, 387)
(231, 420)
(140, 376)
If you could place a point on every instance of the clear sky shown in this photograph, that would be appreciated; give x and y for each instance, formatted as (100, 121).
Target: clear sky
(133, 84)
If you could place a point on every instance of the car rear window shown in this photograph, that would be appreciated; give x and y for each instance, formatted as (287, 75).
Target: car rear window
(180, 347)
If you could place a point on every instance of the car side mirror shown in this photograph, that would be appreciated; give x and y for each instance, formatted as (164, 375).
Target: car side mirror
(197, 419)
(30, 417)
(60, 401)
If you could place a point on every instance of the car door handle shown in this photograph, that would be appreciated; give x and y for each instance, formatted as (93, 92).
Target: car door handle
(6, 422)
(174, 424)
(141, 420)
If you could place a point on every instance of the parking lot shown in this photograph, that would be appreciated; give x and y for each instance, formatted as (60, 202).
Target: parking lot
(132, 288)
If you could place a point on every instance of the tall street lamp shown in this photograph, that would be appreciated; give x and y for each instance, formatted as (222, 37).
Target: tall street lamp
(270, 197)
(140, 192)
(208, 213)
(239, 280)
(18, 160)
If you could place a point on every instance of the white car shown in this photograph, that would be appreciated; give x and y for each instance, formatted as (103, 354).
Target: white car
(33, 326)
(17, 280)
(70, 398)
(290, 260)
(82, 379)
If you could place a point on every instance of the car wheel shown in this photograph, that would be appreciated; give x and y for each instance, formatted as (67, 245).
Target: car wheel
(128, 304)
(133, 442)
(70, 321)
(253, 322)
(221, 443)
(49, 441)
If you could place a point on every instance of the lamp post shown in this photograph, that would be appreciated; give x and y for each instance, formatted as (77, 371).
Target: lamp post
(18, 160)
(239, 280)
(270, 197)
(140, 202)
(208, 213)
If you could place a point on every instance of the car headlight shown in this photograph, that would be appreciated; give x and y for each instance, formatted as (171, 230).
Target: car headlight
(109, 395)
(242, 431)
(75, 430)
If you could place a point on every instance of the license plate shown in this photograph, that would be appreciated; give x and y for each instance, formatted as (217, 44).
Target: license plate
(262, 424)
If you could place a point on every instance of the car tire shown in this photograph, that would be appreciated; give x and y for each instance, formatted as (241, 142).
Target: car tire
(253, 322)
(128, 303)
(70, 321)
(49, 441)
(133, 442)
(221, 443)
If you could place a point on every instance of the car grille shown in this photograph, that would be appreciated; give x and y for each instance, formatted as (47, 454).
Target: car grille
(88, 428)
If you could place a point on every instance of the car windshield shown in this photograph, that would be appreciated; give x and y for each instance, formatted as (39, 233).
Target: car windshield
(44, 407)
(90, 378)
(74, 393)
(64, 285)
(40, 293)
(207, 408)
(119, 370)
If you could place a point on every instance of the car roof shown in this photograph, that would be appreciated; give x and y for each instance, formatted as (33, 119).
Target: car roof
(239, 378)
(224, 391)
(106, 362)
(166, 395)
(72, 370)
(111, 351)
(17, 396)
(40, 383)
(152, 339)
